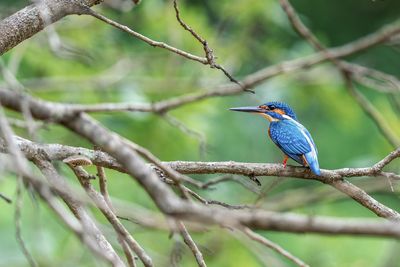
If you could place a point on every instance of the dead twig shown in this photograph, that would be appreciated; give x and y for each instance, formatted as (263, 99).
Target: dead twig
(209, 53)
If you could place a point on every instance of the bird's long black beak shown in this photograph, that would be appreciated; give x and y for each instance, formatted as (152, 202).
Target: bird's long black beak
(255, 109)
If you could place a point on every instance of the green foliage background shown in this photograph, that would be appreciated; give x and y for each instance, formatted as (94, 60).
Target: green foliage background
(246, 36)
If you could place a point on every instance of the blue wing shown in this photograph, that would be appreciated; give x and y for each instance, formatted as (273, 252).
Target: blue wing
(289, 138)
(295, 141)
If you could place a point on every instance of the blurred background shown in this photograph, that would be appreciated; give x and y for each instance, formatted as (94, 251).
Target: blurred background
(82, 60)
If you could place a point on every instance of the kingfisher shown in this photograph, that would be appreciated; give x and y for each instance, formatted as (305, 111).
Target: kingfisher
(288, 133)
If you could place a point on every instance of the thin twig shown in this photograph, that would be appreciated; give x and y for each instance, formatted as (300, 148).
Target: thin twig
(259, 238)
(104, 192)
(216, 202)
(103, 185)
(146, 39)
(209, 53)
(18, 224)
(229, 177)
(191, 244)
(5, 198)
(377, 117)
(185, 129)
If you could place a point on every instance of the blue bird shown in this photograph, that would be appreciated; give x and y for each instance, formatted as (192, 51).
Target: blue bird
(288, 134)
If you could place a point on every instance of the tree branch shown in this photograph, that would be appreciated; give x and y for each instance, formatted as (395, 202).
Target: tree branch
(331, 177)
(34, 18)
(172, 205)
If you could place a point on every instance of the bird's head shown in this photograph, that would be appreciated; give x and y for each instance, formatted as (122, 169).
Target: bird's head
(273, 111)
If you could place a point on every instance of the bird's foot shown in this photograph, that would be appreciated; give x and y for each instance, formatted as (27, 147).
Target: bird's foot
(285, 161)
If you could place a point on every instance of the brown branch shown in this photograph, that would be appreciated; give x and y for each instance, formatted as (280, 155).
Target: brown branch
(332, 177)
(260, 239)
(60, 152)
(271, 169)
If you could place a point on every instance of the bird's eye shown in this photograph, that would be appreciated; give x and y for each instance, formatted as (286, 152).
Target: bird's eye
(272, 107)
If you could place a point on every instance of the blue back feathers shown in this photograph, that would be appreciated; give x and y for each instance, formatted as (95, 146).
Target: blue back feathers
(291, 136)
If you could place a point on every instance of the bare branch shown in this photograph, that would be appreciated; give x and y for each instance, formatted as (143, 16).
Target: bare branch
(332, 177)
(99, 158)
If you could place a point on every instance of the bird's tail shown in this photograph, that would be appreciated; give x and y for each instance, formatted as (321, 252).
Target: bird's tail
(312, 162)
